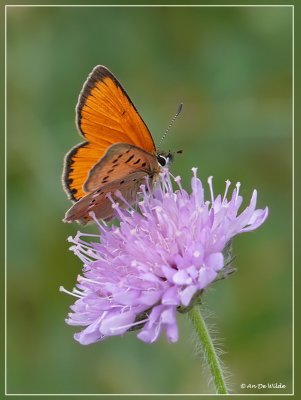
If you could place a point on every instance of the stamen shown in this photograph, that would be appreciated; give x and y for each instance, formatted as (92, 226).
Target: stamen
(178, 179)
(228, 184)
(165, 183)
(121, 197)
(77, 239)
(115, 206)
(100, 225)
(129, 325)
(81, 279)
(81, 256)
(211, 188)
(90, 234)
(88, 250)
(237, 191)
(167, 176)
(83, 246)
(77, 291)
(62, 289)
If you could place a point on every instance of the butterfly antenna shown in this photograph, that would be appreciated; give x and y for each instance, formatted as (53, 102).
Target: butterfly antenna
(171, 123)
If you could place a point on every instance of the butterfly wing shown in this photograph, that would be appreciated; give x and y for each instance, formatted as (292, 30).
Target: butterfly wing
(119, 161)
(99, 202)
(105, 115)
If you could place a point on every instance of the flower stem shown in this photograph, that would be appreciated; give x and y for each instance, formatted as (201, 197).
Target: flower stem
(209, 350)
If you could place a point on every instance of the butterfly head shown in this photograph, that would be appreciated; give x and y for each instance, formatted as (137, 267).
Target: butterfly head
(165, 158)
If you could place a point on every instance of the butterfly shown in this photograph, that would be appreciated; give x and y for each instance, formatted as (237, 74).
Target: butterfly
(117, 155)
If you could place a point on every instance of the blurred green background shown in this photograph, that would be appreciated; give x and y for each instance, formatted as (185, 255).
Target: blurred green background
(232, 69)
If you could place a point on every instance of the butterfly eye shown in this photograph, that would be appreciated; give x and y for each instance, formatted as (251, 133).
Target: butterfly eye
(162, 160)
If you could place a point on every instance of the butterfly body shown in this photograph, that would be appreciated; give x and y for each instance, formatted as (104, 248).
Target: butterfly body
(117, 156)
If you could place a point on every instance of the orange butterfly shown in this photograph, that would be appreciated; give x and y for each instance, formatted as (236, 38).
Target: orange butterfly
(119, 151)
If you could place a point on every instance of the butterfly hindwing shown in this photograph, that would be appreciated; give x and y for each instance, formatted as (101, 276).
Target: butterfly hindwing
(119, 161)
(99, 202)
(105, 115)
(78, 163)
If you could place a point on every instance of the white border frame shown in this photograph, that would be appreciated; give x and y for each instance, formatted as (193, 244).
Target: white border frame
(293, 194)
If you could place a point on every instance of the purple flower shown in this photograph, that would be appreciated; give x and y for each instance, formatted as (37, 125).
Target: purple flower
(161, 257)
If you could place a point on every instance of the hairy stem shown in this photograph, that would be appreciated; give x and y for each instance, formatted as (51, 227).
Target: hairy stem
(208, 349)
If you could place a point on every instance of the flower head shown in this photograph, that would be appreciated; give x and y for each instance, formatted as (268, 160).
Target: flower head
(161, 256)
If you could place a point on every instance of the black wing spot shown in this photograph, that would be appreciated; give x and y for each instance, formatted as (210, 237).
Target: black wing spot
(130, 158)
(99, 191)
(105, 178)
(115, 161)
(144, 164)
(134, 180)
(93, 201)
(120, 155)
(111, 170)
(137, 162)
(127, 151)
(121, 182)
